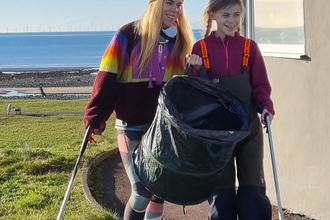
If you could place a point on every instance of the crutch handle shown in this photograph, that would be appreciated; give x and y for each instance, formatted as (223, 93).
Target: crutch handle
(259, 109)
(266, 116)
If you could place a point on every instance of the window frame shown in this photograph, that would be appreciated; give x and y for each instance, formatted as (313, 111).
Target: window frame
(292, 51)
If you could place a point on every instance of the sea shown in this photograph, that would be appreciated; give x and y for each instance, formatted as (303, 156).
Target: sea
(21, 52)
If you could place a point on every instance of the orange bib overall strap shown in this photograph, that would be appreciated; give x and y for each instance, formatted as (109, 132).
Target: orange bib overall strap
(206, 60)
(246, 52)
(205, 55)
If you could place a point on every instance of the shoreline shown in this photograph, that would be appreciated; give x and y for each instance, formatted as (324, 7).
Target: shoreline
(53, 78)
(18, 70)
(57, 84)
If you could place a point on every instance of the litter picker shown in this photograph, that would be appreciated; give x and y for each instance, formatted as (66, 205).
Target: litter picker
(267, 120)
(74, 173)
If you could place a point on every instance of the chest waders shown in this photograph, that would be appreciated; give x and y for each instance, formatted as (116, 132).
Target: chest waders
(250, 201)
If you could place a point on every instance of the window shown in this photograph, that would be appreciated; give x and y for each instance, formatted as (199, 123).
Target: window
(279, 27)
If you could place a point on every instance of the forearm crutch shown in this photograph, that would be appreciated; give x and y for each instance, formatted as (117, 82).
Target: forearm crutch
(74, 173)
(267, 120)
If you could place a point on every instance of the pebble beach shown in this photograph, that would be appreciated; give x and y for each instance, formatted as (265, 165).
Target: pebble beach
(45, 79)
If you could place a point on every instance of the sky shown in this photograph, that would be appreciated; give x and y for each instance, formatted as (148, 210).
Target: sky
(80, 15)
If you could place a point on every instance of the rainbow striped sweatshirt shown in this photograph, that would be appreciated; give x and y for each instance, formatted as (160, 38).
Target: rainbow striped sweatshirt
(120, 88)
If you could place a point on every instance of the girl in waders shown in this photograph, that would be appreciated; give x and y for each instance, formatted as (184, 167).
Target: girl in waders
(236, 62)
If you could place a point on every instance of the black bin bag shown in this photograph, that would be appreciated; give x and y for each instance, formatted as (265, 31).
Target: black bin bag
(191, 139)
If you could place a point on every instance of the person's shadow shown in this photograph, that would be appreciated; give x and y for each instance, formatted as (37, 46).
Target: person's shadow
(116, 190)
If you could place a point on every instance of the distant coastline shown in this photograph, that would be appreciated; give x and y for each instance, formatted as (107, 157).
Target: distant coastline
(52, 78)
(69, 78)
(45, 69)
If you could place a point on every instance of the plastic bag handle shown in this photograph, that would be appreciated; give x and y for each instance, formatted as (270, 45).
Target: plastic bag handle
(202, 72)
(186, 71)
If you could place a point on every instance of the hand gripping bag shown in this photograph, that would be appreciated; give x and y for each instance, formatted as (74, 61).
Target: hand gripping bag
(192, 137)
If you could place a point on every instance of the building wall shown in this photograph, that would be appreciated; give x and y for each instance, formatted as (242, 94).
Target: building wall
(301, 126)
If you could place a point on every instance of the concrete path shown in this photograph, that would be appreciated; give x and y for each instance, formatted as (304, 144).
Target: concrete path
(116, 189)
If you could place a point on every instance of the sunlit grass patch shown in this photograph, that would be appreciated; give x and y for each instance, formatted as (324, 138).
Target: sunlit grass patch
(37, 157)
(25, 194)
(12, 155)
(58, 164)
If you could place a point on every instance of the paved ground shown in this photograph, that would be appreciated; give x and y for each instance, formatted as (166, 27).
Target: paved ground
(116, 190)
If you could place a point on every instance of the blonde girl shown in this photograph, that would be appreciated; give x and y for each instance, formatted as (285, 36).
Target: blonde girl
(141, 57)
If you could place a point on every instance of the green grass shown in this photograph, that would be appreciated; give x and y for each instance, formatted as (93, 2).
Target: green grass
(37, 157)
(40, 105)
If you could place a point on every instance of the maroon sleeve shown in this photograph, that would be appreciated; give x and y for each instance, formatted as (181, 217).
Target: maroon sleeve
(261, 88)
(103, 100)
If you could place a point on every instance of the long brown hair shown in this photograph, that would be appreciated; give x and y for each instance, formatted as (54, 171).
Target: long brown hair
(149, 26)
(216, 5)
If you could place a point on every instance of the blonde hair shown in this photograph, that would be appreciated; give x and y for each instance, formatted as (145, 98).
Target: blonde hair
(216, 5)
(149, 26)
